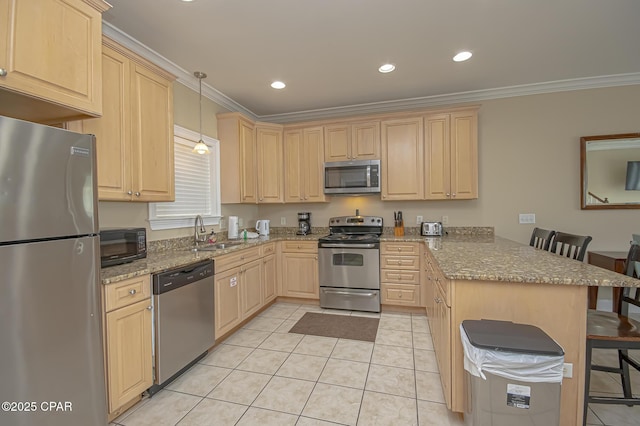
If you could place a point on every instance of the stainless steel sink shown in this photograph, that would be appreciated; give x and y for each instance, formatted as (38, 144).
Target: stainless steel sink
(217, 246)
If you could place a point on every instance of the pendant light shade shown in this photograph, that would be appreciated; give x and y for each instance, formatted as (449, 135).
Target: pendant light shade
(200, 147)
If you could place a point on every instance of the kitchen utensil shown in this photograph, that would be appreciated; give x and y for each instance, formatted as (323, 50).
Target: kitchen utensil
(233, 227)
(262, 226)
(398, 229)
(432, 229)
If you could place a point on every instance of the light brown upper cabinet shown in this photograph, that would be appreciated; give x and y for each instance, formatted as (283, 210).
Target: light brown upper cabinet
(251, 169)
(303, 165)
(135, 134)
(50, 59)
(238, 154)
(402, 159)
(270, 180)
(357, 141)
(451, 155)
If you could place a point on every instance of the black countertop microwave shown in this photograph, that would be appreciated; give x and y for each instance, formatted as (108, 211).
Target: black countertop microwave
(352, 177)
(122, 245)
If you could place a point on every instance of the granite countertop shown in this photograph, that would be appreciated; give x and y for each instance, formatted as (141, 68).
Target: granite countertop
(461, 256)
(161, 260)
(491, 258)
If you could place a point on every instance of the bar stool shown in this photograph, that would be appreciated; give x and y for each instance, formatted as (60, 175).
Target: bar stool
(610, 330)
(541, 238)
(570, 245)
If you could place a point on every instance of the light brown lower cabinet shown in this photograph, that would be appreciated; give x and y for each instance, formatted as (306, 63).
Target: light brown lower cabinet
(300, 269)
(400, 274)
(245, 281)
(128, 340)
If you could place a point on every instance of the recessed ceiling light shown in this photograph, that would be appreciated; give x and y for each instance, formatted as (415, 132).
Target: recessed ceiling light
(278, 85)
(462, 56)
(386, 68)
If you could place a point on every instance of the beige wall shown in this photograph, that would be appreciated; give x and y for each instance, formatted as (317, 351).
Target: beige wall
(529, 153)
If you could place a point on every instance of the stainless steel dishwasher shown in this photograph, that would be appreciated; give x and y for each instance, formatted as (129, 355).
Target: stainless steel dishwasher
(183, 319)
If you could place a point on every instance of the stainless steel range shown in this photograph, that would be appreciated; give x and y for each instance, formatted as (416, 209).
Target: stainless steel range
(349, 264)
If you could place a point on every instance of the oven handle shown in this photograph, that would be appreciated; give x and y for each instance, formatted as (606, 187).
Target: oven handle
(347, 293)
(338, 245)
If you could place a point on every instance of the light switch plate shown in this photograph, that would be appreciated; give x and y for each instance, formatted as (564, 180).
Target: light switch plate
(419, 220)
(283, 220)
(527, 218)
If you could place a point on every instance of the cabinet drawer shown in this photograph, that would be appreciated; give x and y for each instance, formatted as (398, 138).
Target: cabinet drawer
(237, 258)
(300, 246)
(268, 249)
(400, 248)
(400, 262)
(400, 276)
(400, 294)
(126, 292)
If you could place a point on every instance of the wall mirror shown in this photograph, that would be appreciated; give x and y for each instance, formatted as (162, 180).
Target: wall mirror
(610, 171)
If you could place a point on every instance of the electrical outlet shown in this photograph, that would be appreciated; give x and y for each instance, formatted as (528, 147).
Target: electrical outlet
(527, 218)
(567, 370)
(419, 220)
(283, 220)
(445, 220)
(240, 222)
(223, 223)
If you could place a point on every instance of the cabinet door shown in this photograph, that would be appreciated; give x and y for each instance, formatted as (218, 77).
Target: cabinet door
(248, 190)
(337, 142)
(51, 51)
(402, 159)
(443, 351)
(113, 129)
(464, 155)
(313, 164)
(269, 278)
(152, 136)
(300, 275)
(270, 173)
(129, 358)
(365, 141)
(437, 156)
(227, 301)
(293, 176)
(251, 283)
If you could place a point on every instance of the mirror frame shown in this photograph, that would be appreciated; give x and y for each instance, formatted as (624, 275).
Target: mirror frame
(583, 174)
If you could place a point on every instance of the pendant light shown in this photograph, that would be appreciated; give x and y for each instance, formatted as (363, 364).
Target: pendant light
(201, 147)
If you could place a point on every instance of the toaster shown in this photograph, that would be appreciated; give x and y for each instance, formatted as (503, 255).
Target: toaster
(431, 229)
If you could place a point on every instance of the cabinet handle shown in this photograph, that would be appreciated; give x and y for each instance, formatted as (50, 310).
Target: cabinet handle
(149, 308)
(129, 192)
(132, 291)
(399, 295)
(448, 194)
(384, 196)
(3, 72)
(453, 195)
(137, 194)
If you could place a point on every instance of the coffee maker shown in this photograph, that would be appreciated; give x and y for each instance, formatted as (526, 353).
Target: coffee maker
(304, 223)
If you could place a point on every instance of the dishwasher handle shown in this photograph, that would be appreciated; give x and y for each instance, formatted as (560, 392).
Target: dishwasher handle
(178, 277)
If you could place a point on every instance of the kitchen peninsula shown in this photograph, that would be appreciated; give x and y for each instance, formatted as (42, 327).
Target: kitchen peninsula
(472, 277)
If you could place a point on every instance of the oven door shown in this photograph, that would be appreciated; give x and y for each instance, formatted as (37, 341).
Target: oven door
(349, 265)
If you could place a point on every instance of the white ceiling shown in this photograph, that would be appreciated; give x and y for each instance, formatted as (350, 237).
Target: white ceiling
(328, 51)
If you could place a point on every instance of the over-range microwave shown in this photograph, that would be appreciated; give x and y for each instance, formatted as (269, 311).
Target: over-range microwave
(122, 245)
(352, 177)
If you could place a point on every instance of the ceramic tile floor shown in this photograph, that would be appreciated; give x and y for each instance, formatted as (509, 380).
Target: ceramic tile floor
(262, 375)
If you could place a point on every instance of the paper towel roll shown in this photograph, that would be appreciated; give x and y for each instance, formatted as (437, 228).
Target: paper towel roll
(233, 227)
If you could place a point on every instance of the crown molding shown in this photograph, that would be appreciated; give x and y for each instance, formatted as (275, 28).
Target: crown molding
(188, 79)
(458, 98)
(182, 76)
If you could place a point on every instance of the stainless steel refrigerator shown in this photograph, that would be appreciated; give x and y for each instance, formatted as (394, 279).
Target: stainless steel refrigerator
(51, 358)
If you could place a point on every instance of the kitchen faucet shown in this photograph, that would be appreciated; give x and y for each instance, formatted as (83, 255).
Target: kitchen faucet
(199, 231)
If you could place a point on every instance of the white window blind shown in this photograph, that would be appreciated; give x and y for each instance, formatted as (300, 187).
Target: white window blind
(197, 185)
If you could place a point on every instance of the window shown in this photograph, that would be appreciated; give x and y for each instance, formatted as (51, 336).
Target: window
(197, 185)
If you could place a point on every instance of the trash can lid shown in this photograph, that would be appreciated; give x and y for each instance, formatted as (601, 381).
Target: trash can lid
(507, 336)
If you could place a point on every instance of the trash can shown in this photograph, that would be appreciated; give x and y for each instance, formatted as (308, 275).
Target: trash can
(513, 374)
